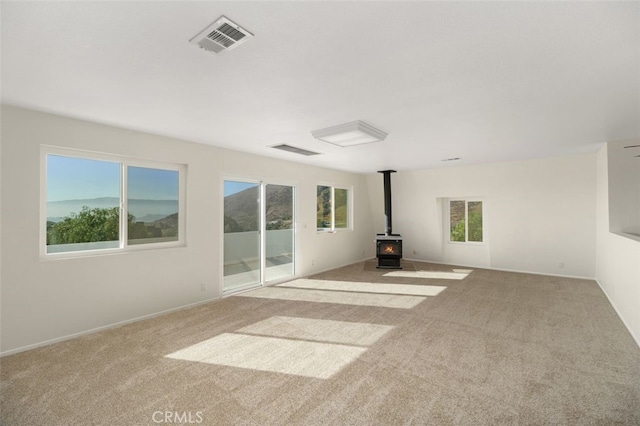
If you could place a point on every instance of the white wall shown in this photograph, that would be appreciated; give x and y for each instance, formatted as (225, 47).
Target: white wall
(48, 300)
(624, 187)
(617, 256)
(539, 214)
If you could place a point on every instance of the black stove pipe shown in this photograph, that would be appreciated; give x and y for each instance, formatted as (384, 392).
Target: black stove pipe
(387, 201)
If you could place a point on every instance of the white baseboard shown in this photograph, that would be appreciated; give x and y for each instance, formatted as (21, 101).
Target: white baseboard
(102, 328)
(148, 316)
(144, 317)
(319, 271)
(501, 269)
(633, 336)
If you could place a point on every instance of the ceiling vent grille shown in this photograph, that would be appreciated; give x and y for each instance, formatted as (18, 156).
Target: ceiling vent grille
(295, 149)
(222, 35)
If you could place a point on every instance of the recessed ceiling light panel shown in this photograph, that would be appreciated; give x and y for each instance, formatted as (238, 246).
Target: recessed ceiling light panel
(350, 134)
(220, 36)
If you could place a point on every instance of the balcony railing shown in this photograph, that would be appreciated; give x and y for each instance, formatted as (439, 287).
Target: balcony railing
(241, 250)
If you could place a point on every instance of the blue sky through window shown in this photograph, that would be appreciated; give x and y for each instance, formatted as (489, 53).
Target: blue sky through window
(89, 194)
(152, 184)
(232, 187)
(70, 178)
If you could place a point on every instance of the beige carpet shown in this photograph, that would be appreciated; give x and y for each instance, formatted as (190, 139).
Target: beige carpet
(455, 274)
(336, 297)
(301, 358)
(349, 333)
(491, 348)
(411, 289)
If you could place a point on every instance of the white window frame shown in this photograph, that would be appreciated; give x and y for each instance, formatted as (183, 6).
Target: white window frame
(466, 200)
(124, 161)
(332, 228)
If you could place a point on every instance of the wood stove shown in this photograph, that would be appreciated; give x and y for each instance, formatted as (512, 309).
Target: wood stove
(389, 251)
(388, 245)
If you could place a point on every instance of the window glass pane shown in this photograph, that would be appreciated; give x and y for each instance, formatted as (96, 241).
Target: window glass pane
(83, 204)
(457, 230)
(474, 218)
(324, 208)
(279, 236)
(152, 203)
(242, 249)
(279, 207)
(341, 214)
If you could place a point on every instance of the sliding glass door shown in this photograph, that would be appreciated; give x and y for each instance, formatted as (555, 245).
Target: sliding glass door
(279, 237)
(241, 235)
(258, 234)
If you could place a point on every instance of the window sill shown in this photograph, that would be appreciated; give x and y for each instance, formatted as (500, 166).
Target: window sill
(627, 235)
(108, 252)
(468, 243)
(334, 231)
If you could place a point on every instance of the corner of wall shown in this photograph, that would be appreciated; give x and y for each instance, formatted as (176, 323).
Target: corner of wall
(617, 257)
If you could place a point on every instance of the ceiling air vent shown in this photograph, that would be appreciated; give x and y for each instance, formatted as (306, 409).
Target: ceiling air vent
(222, 35)
(295, 149)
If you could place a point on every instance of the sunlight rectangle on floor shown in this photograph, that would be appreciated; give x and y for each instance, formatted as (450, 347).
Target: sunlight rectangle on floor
(428, 274)
(365, 287)
(301, 358)
(338, 297)
(351, 333)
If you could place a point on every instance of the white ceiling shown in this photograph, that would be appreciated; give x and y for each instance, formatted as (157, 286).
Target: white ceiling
(484, 81)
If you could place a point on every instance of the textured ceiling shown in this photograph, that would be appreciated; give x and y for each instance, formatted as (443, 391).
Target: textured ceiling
(484, 81)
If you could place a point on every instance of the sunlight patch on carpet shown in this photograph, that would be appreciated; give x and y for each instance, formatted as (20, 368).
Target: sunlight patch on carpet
(301, 358)
(365, 287)
(351, 333)
(429, 274)
(338, 297)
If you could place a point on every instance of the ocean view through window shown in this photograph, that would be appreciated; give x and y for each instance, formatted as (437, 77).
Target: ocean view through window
(153, 202)
(85, 196)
